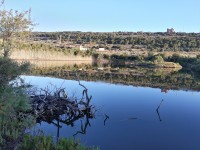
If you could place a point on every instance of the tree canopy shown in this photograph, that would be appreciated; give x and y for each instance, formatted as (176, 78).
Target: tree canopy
(14, 25)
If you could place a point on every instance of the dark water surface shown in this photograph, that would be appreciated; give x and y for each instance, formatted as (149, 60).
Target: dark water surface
(131, 118)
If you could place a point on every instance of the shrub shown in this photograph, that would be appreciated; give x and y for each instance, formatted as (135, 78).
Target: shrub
(158, 59)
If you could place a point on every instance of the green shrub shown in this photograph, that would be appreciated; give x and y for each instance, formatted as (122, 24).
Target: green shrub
(13, 103)
(158, 59)
(10, 69)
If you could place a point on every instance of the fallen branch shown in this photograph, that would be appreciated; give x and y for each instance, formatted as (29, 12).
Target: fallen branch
(49, 107)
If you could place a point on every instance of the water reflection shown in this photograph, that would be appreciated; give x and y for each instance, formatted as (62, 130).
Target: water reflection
(83, 127)
(68, 122)
(132, 117)
(164, 78)
(157, 110)
(132, 101)
(106, 118)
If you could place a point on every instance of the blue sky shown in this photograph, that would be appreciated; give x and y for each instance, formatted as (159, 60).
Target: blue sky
(112, 15)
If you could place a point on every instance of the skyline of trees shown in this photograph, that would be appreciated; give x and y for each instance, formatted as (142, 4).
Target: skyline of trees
(150, 41)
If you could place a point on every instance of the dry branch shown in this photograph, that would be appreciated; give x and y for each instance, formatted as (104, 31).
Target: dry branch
(48, 106)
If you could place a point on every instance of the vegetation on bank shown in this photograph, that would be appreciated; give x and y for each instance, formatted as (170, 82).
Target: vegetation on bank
(150, 61)
(187, 62)
(13, 104)
(154, 60)
(42, 55)
(13, 101)
(46, 142)
(15, 116)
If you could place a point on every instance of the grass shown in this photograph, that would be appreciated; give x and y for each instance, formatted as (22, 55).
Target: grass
(46, 55)
(46, 143)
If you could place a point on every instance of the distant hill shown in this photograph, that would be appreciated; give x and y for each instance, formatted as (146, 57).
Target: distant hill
(153, 41)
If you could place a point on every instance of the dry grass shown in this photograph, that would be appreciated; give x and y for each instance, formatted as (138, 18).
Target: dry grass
(46, 55)
(53, 63)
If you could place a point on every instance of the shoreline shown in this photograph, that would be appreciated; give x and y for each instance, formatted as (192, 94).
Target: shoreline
(79, 60)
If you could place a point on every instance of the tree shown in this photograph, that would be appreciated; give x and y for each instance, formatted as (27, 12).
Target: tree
(14, 26)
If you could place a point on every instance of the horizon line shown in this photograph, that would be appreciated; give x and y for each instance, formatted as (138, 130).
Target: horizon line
(116, 31)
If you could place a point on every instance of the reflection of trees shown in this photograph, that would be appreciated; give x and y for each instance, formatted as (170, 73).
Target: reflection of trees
(162, 78)
(164, 90)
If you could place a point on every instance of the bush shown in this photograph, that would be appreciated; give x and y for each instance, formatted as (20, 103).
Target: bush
(14, 120)
(106, 56)
(10, 69)
(198, 56)
(13, 103)
(158, 59)
(175, 57)
(150, 56)
(95, 55)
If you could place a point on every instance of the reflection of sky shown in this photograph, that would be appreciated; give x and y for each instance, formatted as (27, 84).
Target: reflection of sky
(180, 114)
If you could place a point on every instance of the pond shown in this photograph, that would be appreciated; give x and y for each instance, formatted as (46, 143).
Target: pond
(130, 117)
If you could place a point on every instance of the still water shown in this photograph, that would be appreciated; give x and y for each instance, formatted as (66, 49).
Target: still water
(129, 117)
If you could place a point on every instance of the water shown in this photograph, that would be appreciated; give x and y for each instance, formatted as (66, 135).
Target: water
(139, 117)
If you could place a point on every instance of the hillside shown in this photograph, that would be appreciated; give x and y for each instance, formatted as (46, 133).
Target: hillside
(157, 41)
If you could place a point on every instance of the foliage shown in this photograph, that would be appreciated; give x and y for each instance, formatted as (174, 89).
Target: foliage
(15, 109)
(14, 25)
(51, 48)
(46, 142)
(13, 120)
(158, 59)
(96, 55)
(186, 62)
(13, 103)
(9, 69)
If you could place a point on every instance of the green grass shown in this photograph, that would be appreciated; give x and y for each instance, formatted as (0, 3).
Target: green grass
(46, 143)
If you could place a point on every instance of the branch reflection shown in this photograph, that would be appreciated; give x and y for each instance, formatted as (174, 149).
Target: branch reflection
(157, 110)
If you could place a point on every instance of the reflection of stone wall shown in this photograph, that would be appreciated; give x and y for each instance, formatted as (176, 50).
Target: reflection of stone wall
(46, 55)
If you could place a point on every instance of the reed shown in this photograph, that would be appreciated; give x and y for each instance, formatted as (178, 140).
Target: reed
(26, 54)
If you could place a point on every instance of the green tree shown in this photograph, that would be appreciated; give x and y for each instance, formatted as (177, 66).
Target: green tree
(14, 25)
(13, 101)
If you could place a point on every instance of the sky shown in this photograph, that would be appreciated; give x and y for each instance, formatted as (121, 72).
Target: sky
(112, 15)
